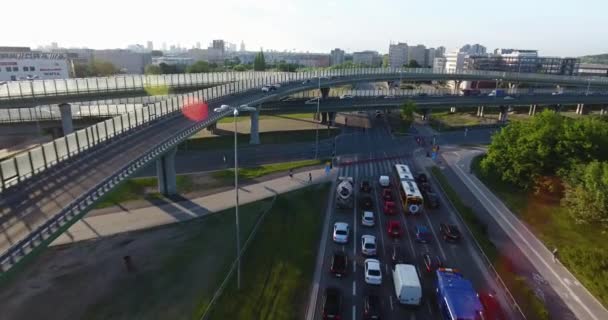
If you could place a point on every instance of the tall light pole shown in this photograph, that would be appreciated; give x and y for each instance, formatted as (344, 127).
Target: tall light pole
(318, 115)
(235, 112)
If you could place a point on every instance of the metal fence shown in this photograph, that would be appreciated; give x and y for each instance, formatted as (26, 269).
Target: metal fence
(75, 87)
(47, 113)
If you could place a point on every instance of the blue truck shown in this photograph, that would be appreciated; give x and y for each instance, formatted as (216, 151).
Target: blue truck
(497, 93)
(456, 297)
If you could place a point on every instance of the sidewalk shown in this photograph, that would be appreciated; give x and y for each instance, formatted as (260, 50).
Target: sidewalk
(578, 299)
(101, 225)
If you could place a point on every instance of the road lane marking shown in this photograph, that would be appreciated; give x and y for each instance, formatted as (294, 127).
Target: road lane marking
(469, 182)
(428, 304)
(354, 265)
(439, 244)
(354, 288)
(354, 312)
(390, 301)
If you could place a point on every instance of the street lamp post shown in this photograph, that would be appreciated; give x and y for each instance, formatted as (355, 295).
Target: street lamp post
(319, 119)
(235, 113)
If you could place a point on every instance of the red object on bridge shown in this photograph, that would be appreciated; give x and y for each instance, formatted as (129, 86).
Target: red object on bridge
(196, 110)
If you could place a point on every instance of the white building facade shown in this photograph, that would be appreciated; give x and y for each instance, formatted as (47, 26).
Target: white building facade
(397, 55)
(33, 65)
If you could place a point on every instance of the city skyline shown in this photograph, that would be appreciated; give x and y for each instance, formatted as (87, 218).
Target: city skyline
(300, 26)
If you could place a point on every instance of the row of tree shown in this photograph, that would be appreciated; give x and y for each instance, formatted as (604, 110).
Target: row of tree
(553, 153)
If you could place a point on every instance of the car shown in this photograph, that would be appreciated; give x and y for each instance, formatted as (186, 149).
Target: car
(307, 81)
(491, 307)
(387, 194)
(449, 232)
(431, 263)
(276, 85)
(431, 199)
(366, 202)
(367, 219)
(397, 254)
(558, 93)
(341, 231)
(371, 307)
(266, 89)
(339, 264)
(421, 178)
(384, 181)
(346, 96)
(332, 303)
(373, 273)
(394, 228)
(423, 235)
(509, 98)
(389, 208)
(365, 186)
(368, 245)
(378, 114)
(423, 94)
(390, 96)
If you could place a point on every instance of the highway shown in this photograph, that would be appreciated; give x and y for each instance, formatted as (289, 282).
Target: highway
(378, 151)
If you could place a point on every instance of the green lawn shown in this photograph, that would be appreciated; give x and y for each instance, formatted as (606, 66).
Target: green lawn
(140, 188)
(583, 248)
(279, 264)
(265, 169)
(274, 137)
(527, 300)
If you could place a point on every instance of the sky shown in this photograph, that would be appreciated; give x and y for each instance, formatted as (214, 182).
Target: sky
(554, 27)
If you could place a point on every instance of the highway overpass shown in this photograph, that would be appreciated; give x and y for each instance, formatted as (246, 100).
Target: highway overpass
(46, 189)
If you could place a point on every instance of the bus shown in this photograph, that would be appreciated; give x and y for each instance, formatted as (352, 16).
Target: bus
(408, 189)
(456, 298)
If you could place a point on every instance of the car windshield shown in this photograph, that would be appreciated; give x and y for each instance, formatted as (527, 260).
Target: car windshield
(369, 245)
(341, 232)
(373, 272)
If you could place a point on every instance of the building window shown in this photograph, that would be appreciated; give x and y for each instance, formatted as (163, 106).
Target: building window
(26, 69)
(8, 69)
(32, 68)
(15, 69)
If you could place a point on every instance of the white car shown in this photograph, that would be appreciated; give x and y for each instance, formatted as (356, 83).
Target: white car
(276, 85)
(306, 81)
(341, 231)
(373, 273)
(367, 219)
(509, 98)
(266, 88)
(368, 245)
(346, 96)
(390, 96)
(384, 181)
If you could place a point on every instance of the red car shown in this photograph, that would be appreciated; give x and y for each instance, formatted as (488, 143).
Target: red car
(394, 228)
(491, 307)
(431, 263)
(387, 195)
(389, 208)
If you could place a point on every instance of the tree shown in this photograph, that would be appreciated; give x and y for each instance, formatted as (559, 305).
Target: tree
(240, 67)
(407, 112)
(102, 68)
(153, 69)
(82, 70)
(413, 64)
(199, 67)
(385, 61)
(259, 63)
(585, 196)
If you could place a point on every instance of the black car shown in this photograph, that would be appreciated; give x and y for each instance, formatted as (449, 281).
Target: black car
(431, 199)
(339, 264)
(449, 232)
(365, 186)
(422, 178)
(371, 307)
(332, 303)
(366, 203)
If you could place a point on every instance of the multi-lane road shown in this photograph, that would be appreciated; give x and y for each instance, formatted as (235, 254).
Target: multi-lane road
(378, 152)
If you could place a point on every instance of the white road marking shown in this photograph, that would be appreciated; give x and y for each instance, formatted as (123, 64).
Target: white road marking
(354, 288)
(428, 304)
(439, 244)
(412, 317)
(354, 312)
(390, 301)
(354, 265)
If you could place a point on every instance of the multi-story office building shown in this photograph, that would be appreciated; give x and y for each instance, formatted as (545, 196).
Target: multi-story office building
(219, 45)
(20, 63)
(150, 46)
(527, 61)
(126, 61)
(418, 54)
(430, 57)
(439, 63)
(440, 52)
(455, 61)
(336, 57)
(593, 69)
(367, 58)
(475, 49)
(397, 55)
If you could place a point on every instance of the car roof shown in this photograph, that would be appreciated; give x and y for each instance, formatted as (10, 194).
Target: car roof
(341, 225)
(394, 223)
(421, 228)
(368, 237)
(372, 263)
(369, 213)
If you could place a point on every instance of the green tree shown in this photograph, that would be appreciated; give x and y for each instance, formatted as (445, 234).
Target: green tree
(585, 193)
(259, 63)
(240, 67)
(385, 61)
(152, 69)
(82, 70)
(413, 64)
(199, 67)
(407, 112)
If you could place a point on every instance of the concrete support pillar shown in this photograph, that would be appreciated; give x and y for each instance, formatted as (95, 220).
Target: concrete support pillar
(254, 134)
(332, 117)
(165, 170)
(452, 109)
(66, 118)
(480, 111)
(426, 114)
(324, 93)
(457, 86)
(603, 111)
(580, 108)
(323, 117)
(532, 111)
(503, 115)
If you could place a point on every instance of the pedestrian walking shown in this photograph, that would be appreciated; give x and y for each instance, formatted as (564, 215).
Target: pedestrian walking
(309, 177)
(554, 255)
(291, 173)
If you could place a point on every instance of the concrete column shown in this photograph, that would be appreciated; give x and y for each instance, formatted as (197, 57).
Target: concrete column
(580, 108)
(254, 135)
(323, 117)
(332, 117)
(165, 171)
(503, 115)
(603, 111)
(426, 114)
(324, 93)
(452, 109)
(66, 118)
(480, 111)
(532, 111)
(457, 86)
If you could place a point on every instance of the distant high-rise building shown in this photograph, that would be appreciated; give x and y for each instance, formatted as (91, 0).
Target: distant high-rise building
(198, 44)
(336, 57)
(430, 57)
(231, 47)
(150, 46)
(440, 52)
(219, 45)
(54, 45)
(418, 54)
(397, 55)
(475, 49)
(164, 46)
(242, 46)
(367, 58)
(455, 61)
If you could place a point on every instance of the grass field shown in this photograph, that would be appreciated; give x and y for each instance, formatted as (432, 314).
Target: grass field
(274, 137)
(277, 268)
(265, 169)
(527, 300)
(583, 248)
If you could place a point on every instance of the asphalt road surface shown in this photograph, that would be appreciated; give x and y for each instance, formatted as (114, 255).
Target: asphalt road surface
(378, 152)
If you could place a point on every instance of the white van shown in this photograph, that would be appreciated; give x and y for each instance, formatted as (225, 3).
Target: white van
(407, 284)
(384, 181)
